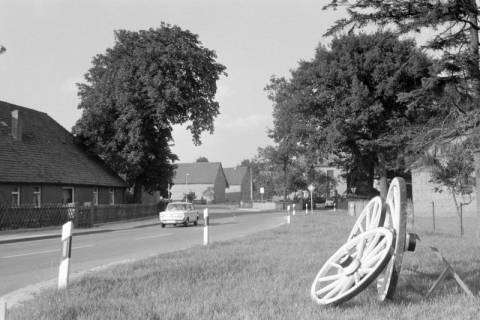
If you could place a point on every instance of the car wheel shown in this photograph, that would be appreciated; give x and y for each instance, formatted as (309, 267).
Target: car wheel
(195, 223)
(186, 222)
(163, 225)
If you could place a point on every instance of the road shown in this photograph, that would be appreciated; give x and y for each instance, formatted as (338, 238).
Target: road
(30, 262)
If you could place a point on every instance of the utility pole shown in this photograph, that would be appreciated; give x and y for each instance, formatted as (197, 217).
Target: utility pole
(251, 185)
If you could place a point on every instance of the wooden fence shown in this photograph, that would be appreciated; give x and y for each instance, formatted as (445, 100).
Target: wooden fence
(82, 216)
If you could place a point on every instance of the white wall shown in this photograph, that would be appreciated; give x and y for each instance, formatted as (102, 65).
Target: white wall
(178, 191)
(423, 196)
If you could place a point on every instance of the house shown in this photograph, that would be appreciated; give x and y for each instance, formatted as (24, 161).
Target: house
(239, 184)
(41, 164)
(335, 174)
(424, 197)
(205, 179)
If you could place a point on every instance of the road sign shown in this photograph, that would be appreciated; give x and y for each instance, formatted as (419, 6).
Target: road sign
(262, 190)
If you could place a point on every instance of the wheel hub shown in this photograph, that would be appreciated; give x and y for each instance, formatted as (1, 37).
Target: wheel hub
(349, 264)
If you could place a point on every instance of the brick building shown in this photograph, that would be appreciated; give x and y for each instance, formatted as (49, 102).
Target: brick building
(40, 163)
(206, 179)
(239, 184)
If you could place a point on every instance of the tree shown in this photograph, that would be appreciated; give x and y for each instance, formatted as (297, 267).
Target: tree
(136, 91)
(452, 169)
(202, 159)
(454, 25)
(345, 102)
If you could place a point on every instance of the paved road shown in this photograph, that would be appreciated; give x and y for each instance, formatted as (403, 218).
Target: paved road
(26, 263)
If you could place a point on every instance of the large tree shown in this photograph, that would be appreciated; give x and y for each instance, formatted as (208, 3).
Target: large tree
(136, 91)
(451, 31)
(346, 102)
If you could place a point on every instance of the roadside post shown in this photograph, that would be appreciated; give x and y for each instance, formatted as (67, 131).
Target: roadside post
(64, 269)
(288, 214)
(3, 310)
(311, 188)
(293, 209)
(205, 226)
(306, 208)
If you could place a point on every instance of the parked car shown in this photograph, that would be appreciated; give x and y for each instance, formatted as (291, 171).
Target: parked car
(179, 213)
(329, 203)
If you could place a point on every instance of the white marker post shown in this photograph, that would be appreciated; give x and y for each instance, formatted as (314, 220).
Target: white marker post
(306, 208)
(293, 209)
(3, 310)
(64, 269)
(288, 214)
(205, 227)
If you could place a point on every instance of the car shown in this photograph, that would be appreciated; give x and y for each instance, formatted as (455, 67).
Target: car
(179, 213)
(329, 203)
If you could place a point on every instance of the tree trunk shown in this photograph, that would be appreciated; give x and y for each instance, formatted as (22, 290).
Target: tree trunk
(382, 172)
(137, 190)
(476, 161)
(474, 67)
(285, 171)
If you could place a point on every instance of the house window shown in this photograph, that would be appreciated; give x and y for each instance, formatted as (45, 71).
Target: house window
(37, 197)
(95, 196)
(16, 197)
(111, 193)
(68, 195)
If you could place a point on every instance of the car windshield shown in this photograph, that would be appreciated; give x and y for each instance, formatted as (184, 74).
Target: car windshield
(177, 206)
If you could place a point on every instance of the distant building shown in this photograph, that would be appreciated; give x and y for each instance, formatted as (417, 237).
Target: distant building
(335, 173)
(239, 184)
(205, 179)
(424, 196)
(40, 163)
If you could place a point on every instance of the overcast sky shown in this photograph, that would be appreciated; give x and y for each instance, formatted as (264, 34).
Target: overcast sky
(50, 45)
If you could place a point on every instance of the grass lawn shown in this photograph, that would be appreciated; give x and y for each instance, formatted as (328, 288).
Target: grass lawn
(268, 276)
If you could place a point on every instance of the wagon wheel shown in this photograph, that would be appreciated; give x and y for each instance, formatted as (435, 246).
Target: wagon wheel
(372, 216)
(353, 267)
(396, 219)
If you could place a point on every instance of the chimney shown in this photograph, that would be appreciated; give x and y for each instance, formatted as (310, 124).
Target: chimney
(16, 125)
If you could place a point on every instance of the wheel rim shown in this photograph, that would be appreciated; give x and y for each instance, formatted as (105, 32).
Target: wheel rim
(396, 219)
(353, 267)
(372, 216)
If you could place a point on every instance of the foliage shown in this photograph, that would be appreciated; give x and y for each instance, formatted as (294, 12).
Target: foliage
(202, 159)
(136, 91)
(190, 196)
(344, 104)
(453, 26)
(452, 168)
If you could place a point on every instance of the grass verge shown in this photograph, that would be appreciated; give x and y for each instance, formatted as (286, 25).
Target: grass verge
(266, 276)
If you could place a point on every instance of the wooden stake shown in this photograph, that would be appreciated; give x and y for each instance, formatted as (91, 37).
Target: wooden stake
(448, 269)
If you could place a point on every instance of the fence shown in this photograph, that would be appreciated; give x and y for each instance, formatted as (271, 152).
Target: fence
(82, 216)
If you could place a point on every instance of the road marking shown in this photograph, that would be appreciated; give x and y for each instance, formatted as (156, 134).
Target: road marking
(45, 251)
(155, 236)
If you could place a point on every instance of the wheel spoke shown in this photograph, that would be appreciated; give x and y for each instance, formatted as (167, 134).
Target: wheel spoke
(336, 265)
(365, 271)
(329, 278)
(328, 287)
(336, 289)
(348, 284)
(356, 277)
(360, 248)
(372, 243)
(380, 245)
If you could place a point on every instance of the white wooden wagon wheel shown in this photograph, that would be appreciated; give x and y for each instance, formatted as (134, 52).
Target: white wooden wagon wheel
(372, 216)
(353, 267)
(396, 219)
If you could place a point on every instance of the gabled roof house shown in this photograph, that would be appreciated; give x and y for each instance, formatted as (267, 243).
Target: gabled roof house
(40, 163)
(239, 184)
(205, 179)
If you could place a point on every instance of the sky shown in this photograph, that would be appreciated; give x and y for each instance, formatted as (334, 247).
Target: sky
(50, 45)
